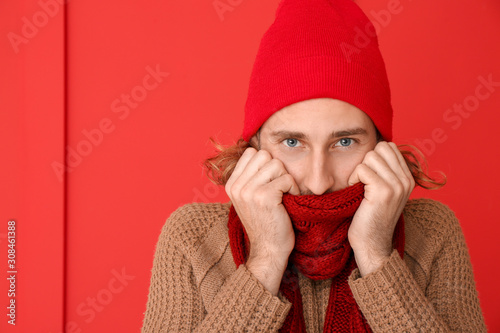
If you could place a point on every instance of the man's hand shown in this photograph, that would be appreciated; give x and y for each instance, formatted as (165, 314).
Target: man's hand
(256, 189)
(388, 185)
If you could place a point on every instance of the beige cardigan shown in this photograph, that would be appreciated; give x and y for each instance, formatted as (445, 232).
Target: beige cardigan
(196, 287)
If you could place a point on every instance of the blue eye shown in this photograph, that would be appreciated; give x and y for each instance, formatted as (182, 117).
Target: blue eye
(294, 143)
(345, 142)
(291, 142)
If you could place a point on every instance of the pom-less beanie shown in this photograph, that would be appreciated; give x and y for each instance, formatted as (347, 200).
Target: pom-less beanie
(319, 48)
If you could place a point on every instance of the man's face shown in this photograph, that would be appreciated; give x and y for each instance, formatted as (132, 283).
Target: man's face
(320, 141)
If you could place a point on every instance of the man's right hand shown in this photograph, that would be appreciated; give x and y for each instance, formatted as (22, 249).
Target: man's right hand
(256, 189)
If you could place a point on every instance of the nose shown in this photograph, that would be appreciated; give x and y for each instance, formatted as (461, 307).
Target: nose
(319, 174)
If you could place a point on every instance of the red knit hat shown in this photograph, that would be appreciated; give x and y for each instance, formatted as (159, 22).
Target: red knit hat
(319, 48)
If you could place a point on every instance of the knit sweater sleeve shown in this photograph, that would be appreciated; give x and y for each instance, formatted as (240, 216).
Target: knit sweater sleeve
(176, 304)
(392, 301)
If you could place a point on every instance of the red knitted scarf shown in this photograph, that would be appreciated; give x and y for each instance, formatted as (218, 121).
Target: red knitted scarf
(322, 251)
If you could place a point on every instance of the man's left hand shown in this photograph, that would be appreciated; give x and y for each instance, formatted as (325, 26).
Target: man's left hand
(388, 185)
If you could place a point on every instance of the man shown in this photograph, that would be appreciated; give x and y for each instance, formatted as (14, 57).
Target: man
(319, 235)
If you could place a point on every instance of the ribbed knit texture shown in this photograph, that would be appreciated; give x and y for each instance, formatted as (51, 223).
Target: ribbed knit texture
(319, 48)
(196, 287)
(322, 251)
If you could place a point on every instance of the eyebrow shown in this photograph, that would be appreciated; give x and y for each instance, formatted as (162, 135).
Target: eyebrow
(333, 135)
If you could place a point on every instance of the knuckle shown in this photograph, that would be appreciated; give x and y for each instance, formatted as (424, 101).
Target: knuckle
(275, 164)
(250, 151)
(381, 146)
(371, 154)
(405, 183)
(235, 190)
(361, 167)
(383, 143)
(386, 191)
(268, 167)
(264, 155)
(260, 198)
(248, 154)
(288, 178)
(398, 189)
(246, 194)
(232, 193)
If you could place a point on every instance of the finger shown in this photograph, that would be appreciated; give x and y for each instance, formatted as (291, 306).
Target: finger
(402, 160)
(380, 166)
(390, 157)
(271, 171)
(403, 172)
(284, 183)
(251, 168)
(377, 189)
(240, 166)
(266, 173)
(354, 177)
(364, 174)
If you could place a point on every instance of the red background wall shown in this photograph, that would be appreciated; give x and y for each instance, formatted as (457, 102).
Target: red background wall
(86, 237)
